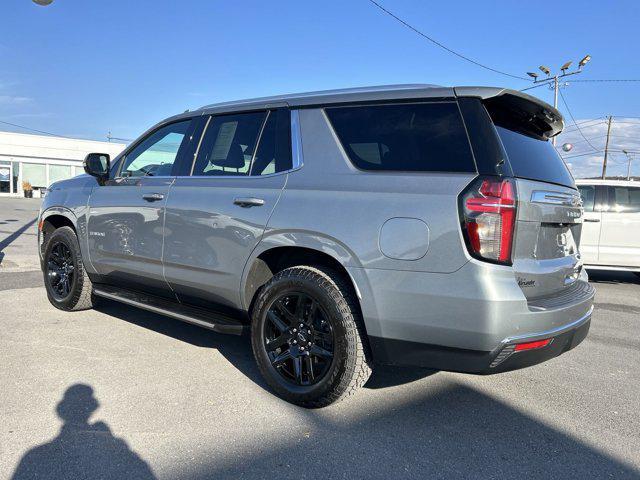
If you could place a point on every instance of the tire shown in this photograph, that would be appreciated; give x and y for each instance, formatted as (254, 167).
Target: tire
(79, 294)
(333, 325)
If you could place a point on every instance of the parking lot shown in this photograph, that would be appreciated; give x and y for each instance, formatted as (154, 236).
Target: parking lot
(118, 392)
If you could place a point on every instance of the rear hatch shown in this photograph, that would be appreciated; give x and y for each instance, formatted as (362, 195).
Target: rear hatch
(545, 253)
(548, 221)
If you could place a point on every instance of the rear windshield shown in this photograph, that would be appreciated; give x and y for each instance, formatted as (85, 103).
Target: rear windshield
(418, 137)
(534, 159)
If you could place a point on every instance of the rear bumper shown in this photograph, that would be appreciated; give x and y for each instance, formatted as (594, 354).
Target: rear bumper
(503, 359)
(468, 320)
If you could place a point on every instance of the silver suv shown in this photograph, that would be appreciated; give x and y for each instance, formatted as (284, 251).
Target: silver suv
(408, 225)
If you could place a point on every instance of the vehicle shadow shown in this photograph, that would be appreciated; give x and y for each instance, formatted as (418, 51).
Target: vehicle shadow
(613, 277)
(237, 349)
(82, 449)
(452, 432)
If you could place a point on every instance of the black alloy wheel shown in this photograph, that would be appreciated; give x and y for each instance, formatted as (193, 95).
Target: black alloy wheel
(60, 270)
(307, 336)
(66, 280)
(299, 338)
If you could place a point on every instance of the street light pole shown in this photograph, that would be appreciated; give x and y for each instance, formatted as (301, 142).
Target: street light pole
(555, 101)
(629, 158)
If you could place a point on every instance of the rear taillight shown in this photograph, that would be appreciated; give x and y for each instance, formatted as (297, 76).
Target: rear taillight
(488, 208)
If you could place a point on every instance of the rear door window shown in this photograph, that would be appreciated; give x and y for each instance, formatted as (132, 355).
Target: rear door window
(229, 144)
(274, 151)
(417, 137)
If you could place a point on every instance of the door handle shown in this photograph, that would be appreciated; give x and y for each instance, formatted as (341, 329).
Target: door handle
(595, 220)
(247, 202)
(153, 197)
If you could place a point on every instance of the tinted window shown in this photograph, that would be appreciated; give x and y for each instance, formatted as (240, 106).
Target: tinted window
(624, 199)
(156, 154)
(426, 137)
(274, 151)
(534, 159)
(228, 144)
(588, 194)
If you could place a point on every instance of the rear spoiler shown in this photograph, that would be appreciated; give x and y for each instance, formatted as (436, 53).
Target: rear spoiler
(517, 111)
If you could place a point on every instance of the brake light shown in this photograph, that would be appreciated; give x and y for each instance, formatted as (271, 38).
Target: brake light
(532, 345)
(489, 213)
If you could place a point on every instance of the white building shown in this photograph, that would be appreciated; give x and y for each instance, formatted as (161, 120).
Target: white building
(42, 160)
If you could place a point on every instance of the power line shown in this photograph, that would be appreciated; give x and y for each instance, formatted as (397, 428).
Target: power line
(536, 86)
(585, 124)
(588, 80)
(444, 47)
(597, 152)
(564, 101)
(32, 129)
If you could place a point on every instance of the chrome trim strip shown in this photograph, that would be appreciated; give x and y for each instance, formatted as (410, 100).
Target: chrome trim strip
(556, 198)
(550, 333)
(296, 141)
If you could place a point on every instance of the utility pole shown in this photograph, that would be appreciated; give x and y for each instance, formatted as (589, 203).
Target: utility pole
(555, 79)
(606, 149)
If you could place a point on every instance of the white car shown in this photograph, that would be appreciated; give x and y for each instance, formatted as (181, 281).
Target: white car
(611, 231)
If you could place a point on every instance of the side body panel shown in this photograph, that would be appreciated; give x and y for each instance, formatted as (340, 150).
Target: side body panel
(593, 197)
(125, 233)
(330, 206)
(620, 234)
(208, 237)
(69, 198)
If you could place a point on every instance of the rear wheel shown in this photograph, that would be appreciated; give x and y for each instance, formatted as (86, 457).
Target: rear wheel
(307, 337)
(66, 281)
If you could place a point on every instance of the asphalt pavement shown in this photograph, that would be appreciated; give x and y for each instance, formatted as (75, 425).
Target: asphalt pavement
(118, 392)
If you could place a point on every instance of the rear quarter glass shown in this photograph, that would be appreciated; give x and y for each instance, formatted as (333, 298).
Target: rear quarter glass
(534, 159)
(408, 137)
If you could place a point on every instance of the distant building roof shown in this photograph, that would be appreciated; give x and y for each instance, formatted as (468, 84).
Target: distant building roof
(50, 147)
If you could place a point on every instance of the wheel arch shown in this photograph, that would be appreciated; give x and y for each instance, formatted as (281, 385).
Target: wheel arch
(277, 252)
(56, 217)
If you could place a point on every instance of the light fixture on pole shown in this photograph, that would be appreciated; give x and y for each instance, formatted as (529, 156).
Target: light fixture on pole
(584, 61)
(43, 3)
(554, 79)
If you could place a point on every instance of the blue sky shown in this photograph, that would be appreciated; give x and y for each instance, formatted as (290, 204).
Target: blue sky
(83, 68)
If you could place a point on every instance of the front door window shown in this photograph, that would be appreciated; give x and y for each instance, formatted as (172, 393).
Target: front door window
(155, 155)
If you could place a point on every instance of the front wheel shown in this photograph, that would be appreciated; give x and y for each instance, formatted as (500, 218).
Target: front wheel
(307, 337)
(66, 281)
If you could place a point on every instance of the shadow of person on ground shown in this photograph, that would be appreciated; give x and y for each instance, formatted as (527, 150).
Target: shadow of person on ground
(82, 449)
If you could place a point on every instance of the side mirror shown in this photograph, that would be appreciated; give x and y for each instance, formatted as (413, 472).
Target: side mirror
(97, 165)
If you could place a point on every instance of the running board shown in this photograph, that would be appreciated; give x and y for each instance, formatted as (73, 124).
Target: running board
(212, 320)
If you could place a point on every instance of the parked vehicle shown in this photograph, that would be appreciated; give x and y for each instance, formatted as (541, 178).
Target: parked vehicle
(611, 232)
(411, 225)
